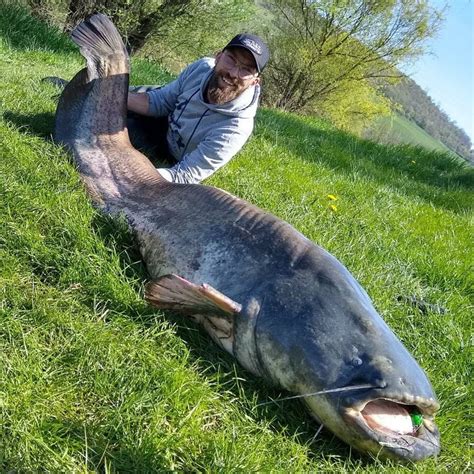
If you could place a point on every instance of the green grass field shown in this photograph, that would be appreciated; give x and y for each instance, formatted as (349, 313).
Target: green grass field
(398, 129)
(94, 380)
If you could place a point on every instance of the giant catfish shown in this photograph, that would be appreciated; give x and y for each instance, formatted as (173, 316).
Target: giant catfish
(285, 308)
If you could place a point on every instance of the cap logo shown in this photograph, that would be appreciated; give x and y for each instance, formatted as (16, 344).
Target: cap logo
(253, 45)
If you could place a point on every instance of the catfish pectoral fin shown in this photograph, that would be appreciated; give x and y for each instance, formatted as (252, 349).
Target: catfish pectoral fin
(222, 301)
(175, 292)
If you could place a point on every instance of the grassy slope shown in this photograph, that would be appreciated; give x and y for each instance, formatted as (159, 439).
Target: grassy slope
(93, 379)
(398, 129)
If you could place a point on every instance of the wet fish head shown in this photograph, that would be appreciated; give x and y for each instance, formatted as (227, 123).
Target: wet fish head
(318, 331)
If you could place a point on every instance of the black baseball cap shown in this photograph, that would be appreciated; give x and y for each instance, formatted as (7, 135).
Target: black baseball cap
(254, 45)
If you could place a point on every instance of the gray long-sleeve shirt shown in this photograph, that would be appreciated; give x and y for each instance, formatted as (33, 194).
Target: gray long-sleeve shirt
(201, 136)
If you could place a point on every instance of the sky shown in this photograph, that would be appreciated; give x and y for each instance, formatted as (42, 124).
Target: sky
(447, 74)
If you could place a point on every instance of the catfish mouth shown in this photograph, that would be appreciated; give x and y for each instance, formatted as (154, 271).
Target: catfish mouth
(400, 429)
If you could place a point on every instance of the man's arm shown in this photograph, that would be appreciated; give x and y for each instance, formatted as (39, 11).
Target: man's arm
(138, 103)
(160, 101)
(211, 154)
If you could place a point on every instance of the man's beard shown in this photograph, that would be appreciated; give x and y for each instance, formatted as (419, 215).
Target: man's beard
(218, 95)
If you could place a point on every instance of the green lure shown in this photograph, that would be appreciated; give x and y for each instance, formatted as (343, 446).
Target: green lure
(417, 419)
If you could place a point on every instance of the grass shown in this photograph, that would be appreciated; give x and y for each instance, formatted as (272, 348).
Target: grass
(92, 379)
(398, 129)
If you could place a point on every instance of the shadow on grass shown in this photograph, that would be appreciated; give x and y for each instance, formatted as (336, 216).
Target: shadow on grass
(41, 125)
(429, 175)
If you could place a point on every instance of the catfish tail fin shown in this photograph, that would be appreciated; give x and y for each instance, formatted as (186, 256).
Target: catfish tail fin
(98, 40)
(94, 102)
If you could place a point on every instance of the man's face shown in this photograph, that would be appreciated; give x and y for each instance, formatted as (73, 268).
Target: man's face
(235, 71)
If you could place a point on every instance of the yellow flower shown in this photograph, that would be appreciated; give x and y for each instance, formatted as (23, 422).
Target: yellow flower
(332, 197)
(333, 207)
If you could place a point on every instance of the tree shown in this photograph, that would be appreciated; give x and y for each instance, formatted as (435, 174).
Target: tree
(137, 20)
(320, 47)
(172, 31)
(205, 29)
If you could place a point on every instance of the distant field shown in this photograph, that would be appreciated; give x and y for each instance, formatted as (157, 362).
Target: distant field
(92, 379)
(398, 129)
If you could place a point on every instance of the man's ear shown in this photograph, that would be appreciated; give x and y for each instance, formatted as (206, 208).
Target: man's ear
(257, 80)
(218, 55)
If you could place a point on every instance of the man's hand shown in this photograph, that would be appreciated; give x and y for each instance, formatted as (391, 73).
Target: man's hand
(138, 103)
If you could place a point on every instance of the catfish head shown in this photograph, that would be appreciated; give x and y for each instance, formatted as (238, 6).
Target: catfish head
(317, 334)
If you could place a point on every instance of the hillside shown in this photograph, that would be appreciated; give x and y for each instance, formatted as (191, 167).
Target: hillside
(417, 106)
(92, 379)
(397, 129)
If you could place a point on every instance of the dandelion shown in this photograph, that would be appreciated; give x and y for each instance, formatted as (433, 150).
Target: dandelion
(333, 207)
(332, 197)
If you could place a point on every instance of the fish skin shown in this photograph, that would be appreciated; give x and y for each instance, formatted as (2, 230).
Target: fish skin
(304, 322)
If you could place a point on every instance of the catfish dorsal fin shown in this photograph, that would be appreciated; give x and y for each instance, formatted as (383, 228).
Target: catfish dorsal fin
(177, 293)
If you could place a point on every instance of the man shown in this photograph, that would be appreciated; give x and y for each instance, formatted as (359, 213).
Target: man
(210, 108)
